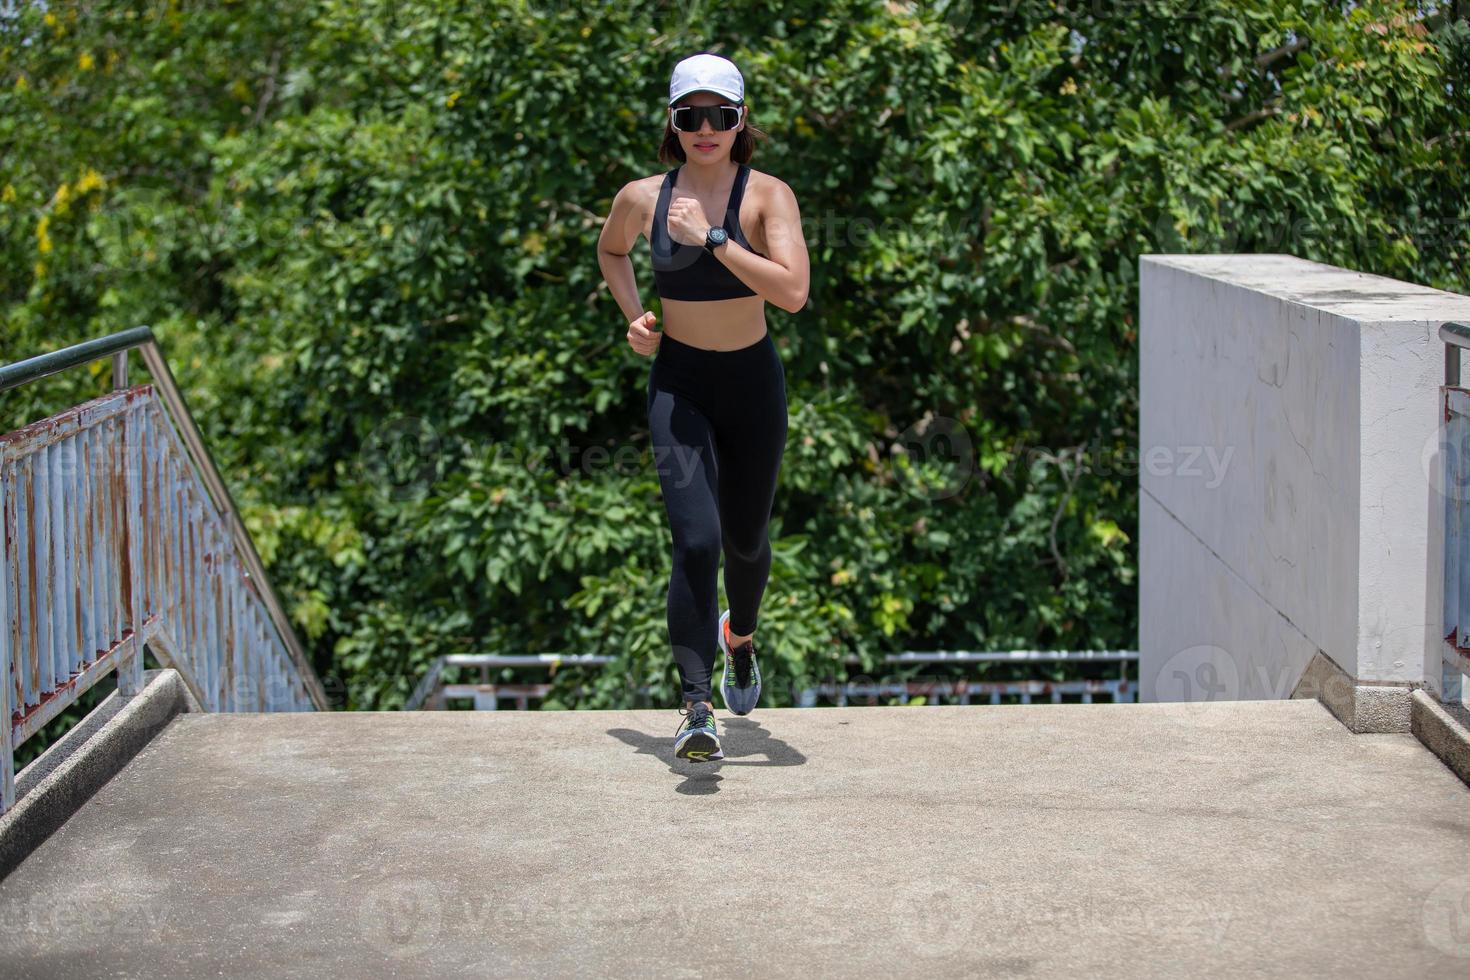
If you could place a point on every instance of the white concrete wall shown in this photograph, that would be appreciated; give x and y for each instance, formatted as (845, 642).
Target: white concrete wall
(1288, 427)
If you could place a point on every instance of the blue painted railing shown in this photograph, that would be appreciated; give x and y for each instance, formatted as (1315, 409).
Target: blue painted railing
(116, 533)
(1455, 487)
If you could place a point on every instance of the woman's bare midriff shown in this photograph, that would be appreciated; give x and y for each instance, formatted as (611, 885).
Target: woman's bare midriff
(716, 324)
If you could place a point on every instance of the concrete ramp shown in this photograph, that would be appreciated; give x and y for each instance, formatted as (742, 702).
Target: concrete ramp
(1051, 840)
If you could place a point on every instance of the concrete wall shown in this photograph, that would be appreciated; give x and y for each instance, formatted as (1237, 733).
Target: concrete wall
(1288, 442)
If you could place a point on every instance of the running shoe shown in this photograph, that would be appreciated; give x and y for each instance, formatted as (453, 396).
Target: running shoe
(696, 739)
(740, 683)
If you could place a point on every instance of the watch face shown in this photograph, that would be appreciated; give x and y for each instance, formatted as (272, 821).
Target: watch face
(717, 236)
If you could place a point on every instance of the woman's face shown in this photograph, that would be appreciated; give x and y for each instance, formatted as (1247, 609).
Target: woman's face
(707, 143)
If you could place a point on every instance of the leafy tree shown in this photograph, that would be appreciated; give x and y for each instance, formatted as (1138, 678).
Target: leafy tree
(365, 232)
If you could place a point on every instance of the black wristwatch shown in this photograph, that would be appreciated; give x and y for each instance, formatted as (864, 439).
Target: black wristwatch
(714, 238)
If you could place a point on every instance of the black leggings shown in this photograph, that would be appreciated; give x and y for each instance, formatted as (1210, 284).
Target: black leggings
(717, 421)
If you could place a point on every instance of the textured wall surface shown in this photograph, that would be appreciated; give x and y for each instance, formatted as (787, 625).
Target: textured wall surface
(1288, 449)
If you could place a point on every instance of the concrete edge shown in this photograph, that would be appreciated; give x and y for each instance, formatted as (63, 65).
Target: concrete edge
(62, 778)
(1362, 708)
(1445, 730)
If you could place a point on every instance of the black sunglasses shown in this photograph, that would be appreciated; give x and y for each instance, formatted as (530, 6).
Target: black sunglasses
(687, 118)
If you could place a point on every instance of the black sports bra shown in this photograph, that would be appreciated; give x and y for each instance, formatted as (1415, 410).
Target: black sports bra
(688, 272)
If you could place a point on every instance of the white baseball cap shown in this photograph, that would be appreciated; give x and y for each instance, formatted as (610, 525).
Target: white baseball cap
(706, 72)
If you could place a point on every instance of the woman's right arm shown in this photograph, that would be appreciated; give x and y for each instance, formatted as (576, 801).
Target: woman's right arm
(619, 234)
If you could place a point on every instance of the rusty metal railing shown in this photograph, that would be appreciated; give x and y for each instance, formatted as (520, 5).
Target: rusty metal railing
(118, 532)
(1455, 483)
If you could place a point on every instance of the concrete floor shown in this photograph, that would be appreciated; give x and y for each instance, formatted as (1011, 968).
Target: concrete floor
(1255, 838)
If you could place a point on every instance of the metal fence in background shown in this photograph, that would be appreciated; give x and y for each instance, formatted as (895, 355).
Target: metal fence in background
(487, 694)
(432, 693)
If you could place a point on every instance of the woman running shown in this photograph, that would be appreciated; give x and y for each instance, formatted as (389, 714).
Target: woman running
(716, 388)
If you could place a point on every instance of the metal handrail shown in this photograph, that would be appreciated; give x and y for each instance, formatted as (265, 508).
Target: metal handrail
(117, 346)
(1455, 336)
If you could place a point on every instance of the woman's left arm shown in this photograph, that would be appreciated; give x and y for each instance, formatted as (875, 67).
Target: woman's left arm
(784, 277)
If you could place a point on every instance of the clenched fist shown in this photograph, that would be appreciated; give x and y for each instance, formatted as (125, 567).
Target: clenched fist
(641, 335)
(687, 223)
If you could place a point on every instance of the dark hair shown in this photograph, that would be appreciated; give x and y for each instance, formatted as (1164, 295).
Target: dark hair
(670, 150)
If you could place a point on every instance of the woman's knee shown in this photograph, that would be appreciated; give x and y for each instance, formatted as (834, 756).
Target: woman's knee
(697, 550)
(749, 548)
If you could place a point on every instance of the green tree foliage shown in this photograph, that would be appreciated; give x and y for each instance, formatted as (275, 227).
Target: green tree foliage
(365, 232)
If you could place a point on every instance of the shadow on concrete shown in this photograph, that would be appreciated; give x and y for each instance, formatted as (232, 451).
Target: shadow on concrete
(744, 742)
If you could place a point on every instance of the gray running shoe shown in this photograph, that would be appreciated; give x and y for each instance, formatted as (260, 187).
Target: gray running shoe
(740, 682)
(696, 739)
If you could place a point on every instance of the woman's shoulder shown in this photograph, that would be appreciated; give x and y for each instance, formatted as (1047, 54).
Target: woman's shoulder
(642, 192)
(764, 186)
